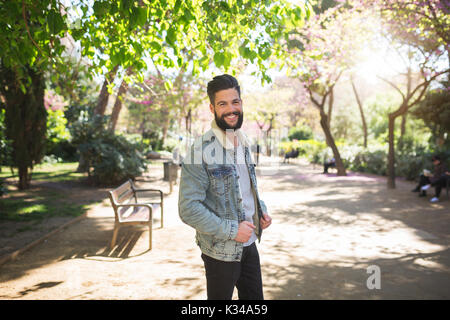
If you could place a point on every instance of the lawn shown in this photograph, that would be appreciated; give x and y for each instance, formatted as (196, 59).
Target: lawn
(39, 202)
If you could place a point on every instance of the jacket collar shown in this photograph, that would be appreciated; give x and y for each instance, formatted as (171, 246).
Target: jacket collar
(224, 141)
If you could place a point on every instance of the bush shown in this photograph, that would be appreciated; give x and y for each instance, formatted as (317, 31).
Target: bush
(113, 159)
(5, 144)
(300, 133)
(311, 149)
(2, 188)
(110, 158)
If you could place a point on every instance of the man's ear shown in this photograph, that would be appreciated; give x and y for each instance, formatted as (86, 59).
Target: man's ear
(211, 107)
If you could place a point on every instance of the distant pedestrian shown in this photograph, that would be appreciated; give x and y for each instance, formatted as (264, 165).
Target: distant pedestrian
(330, 163)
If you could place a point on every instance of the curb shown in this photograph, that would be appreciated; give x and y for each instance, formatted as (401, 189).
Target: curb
(13, 255)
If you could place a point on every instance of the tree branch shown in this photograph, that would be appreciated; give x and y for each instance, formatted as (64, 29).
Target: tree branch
(28, 30)
(393, 85)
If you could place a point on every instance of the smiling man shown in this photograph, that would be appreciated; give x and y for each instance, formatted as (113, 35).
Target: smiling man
(219, 198)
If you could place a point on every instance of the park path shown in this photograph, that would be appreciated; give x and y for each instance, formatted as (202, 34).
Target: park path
(326, 232)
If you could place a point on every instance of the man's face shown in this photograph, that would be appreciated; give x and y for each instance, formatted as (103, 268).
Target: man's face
(227, 109)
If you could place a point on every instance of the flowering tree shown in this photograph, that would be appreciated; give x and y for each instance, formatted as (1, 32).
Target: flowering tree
(319, 54)
(419, 32)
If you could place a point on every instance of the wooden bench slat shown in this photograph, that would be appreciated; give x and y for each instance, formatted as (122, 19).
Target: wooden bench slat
(127, 195)
(124, 187)
(132, 214)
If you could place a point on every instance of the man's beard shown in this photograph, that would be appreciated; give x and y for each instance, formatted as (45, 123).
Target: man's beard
(221, 123)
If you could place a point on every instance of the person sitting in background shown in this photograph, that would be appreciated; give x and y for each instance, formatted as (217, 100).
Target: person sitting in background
(327, 164)
(438, 179)
(291, 154)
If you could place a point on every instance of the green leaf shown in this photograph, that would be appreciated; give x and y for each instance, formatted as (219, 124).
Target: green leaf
(219, 59)
(101, 8)
(171, 36)
(265, 53)
(168, 85)
(142, 14)
(156, 46)
(55, 22)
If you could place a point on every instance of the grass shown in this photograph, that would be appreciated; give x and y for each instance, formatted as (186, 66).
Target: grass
(39, 203)
(49, 172)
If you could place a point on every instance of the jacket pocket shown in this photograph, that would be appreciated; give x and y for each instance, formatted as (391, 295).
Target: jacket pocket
(220, 178)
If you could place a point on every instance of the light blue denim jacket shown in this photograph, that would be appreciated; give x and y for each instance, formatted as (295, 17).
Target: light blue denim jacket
(210, 198)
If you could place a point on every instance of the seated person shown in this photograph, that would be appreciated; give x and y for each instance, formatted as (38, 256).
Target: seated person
(291, 154)
(438, 179)
(327, 164)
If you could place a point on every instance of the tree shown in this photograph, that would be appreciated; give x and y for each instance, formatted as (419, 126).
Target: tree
(418, 32)
(120, 34)
(361, 111)
(25, 119)
(434, 110)
(29, 46)
(320, 52)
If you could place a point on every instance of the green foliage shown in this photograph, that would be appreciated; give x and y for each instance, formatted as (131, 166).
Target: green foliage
(25, 119)
(411, 158)
(313, 150)
(57, 132)
(370, 160)
(5, 143)
(111, 158)
(3, 190)
(434, 110)
(300, 133)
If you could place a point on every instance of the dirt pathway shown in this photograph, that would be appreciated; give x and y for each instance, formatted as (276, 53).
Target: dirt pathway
(326, 232)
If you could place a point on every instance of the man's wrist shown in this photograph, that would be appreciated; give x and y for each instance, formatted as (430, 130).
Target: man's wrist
(233, 230)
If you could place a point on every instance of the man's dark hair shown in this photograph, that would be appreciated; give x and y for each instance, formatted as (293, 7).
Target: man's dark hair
(436, 157)
(222, 82)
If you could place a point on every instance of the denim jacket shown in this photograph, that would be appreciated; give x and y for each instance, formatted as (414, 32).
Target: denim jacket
(210, 198)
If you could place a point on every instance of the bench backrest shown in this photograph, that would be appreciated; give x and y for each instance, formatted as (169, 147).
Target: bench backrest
(122, 193)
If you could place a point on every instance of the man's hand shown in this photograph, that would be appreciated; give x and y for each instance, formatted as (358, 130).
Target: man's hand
(265, 221)
(244, 231)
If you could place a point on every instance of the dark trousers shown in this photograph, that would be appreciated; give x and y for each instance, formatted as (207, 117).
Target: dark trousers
(222, 276)
(438, 184)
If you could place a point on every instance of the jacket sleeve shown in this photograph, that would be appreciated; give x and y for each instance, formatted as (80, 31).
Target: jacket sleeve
(263, 206)
(194, 183)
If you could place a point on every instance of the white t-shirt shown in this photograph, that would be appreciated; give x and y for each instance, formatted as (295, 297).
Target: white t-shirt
(248, 201)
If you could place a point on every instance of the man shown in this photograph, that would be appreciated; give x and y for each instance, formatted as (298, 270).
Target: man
(438, 179)
(219, 198)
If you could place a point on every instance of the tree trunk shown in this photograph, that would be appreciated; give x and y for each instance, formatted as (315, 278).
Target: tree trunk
(330, 141)
(100, 109)
(25, 119)
(119, 101)
(103, 97)
(324, 121)
(391, 153)
(361, 111)
(330, 106)
(118, 106)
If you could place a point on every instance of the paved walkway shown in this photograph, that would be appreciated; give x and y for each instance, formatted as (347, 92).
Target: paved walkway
(326, 232)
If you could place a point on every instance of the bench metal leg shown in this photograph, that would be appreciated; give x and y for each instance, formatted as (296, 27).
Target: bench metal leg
(162, 221)
(150, 227)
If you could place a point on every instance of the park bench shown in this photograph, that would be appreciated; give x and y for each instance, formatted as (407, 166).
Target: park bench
(129, 211)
